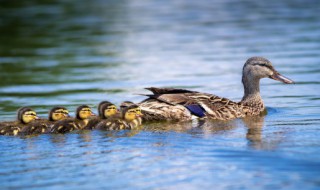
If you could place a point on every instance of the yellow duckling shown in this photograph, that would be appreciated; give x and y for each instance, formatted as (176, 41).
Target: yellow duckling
(83, 113)
(127, 121)
(25, 117)
(126, 104)
(106, 110)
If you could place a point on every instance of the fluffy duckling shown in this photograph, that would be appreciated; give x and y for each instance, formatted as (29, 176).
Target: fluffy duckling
(126, 104)
(128, 120)
(25, 117)
(106, 110)
(83, 113)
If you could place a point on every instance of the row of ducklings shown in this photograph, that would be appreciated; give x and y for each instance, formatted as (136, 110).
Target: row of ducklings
(59, 120)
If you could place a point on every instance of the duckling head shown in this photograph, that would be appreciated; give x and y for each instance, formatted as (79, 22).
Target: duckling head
(58, 113)
(84, 112)
(139, 112)
(108, 110)
(130, 113)
(257, 68)
(26, 115)
(125, 104)
(100, 111)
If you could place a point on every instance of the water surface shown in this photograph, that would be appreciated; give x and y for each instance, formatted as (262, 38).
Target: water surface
(70, 53)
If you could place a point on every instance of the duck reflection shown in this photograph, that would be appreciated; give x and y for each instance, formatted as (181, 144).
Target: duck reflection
(205, 127)
(122, 133)
(257, 137)
(254, 130)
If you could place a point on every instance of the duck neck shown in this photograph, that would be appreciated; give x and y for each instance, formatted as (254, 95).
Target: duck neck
(251, 91)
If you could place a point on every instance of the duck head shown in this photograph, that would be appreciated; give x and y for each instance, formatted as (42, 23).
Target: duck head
(84, 112)
(58, 113)
(26, 115)
(257, 68)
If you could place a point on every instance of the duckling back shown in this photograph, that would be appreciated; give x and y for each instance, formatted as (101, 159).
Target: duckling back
(64, 126)
(112, 124)
(10, 128)
(34, 128)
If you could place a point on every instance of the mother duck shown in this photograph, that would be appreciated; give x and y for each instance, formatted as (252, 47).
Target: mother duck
(171, 104)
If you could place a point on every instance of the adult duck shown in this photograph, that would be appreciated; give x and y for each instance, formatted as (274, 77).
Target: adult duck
(180, 105)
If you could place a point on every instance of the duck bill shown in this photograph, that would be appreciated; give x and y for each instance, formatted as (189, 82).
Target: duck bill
(277, 76)
(93, 114)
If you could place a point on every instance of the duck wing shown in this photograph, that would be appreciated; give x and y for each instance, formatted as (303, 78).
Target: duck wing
(218, 108)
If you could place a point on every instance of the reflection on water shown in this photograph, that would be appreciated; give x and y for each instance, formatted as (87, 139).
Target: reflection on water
(70, 53)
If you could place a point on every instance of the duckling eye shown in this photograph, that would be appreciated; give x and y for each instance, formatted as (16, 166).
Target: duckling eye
(31, 113)
(112, 108)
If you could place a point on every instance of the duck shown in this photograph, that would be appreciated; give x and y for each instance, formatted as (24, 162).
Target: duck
(106, 110)
(127, 120)
(173, 104)
(25, 117)
(83, 113)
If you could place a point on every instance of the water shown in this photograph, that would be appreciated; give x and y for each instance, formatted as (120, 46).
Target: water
(71, 53)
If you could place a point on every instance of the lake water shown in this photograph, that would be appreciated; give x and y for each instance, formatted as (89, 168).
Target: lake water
(71, 53)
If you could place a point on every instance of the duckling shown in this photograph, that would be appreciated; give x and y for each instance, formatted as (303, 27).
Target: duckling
(128, 120)
(83, 113)
(126, 104)
(106, 110)
(25, 117)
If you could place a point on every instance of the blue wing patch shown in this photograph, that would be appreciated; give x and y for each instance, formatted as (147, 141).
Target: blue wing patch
(196, 110)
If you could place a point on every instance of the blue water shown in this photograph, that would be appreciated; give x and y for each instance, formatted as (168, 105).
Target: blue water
(72, 53)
